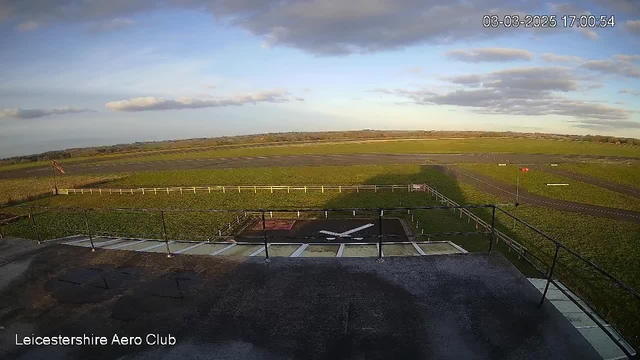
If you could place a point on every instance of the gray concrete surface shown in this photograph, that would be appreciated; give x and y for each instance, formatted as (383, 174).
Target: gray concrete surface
(476, 306)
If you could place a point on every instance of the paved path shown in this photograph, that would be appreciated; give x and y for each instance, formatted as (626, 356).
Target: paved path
(508, 192)
(301, 160)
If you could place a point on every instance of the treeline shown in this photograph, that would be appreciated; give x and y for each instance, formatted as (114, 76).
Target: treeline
(365, 134)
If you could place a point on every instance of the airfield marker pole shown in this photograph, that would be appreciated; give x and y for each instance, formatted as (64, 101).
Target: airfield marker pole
(33, 221)
(493, 228)
(86, 222)
(264, 235)
(380, 235)
(517, 197)
(164, 233)
(55, 183)
(553, 266)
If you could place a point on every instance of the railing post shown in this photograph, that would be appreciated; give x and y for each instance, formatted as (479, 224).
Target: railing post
(33, 221)
(493, 227)
(164, 233)
(553, 266)
(380, 235)
(264, 235)
(86, 222)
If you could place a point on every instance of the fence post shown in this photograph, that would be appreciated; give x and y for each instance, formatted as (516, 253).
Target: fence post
(553, 266)
(238, 189)
(255, 189)
(493, 227)
(264, 235)
(380, 235)
(1, 236)
(86, 222)
(33, 221)
(164, 233)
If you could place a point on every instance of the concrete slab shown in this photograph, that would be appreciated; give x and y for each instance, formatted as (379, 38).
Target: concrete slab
(356, 250)
(206, 249)
(241, 250)
(400, 250)
(282, 250)
(476, 306)
(438, 248)
(320, 251)
(177, 246)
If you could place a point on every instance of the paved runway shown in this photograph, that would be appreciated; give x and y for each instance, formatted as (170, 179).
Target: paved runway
(303, 160)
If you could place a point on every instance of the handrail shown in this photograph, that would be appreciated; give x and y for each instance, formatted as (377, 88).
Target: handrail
(450, 205)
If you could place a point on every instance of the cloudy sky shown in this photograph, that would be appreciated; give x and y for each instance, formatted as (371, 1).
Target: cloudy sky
(92, 72)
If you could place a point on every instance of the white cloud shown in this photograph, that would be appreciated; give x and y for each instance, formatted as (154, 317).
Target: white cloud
(629, 91)
(489, 54)
(28, 26)
(18, 113)
(632, 26)
(560, 58)
(588, 33)
(523, 91)
(323, 27)
(615, 67)
(155, 103)
(416, 69)
(110, 25)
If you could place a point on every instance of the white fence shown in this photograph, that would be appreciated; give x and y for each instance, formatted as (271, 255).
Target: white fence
(479, 223)
(245, 188)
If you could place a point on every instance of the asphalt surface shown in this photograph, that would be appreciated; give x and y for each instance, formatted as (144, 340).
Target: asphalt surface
(304, 160)
(304, 231)
(508, 192)
(471, 306)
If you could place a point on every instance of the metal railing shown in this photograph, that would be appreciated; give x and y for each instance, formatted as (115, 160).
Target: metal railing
(464, 210)
(239, 189)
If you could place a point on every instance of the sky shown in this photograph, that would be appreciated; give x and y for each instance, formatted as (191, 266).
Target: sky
(81, 73)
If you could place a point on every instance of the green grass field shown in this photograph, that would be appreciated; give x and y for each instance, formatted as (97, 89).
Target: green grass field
(503, 145)
(611, 244)
(20, 189)
(626, 174)
(479, 145)
(535, 182)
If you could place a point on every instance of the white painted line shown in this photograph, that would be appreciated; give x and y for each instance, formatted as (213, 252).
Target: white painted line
(104, 243)
(418, 249)
(458, 247)
(76, 241)
(223, 249)
(125, 245)
(357, 229)
(155, 246)
(346, 233)
(257, 252)
(340, 250)
(300, 250)
(189, 248)
(333, 234)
